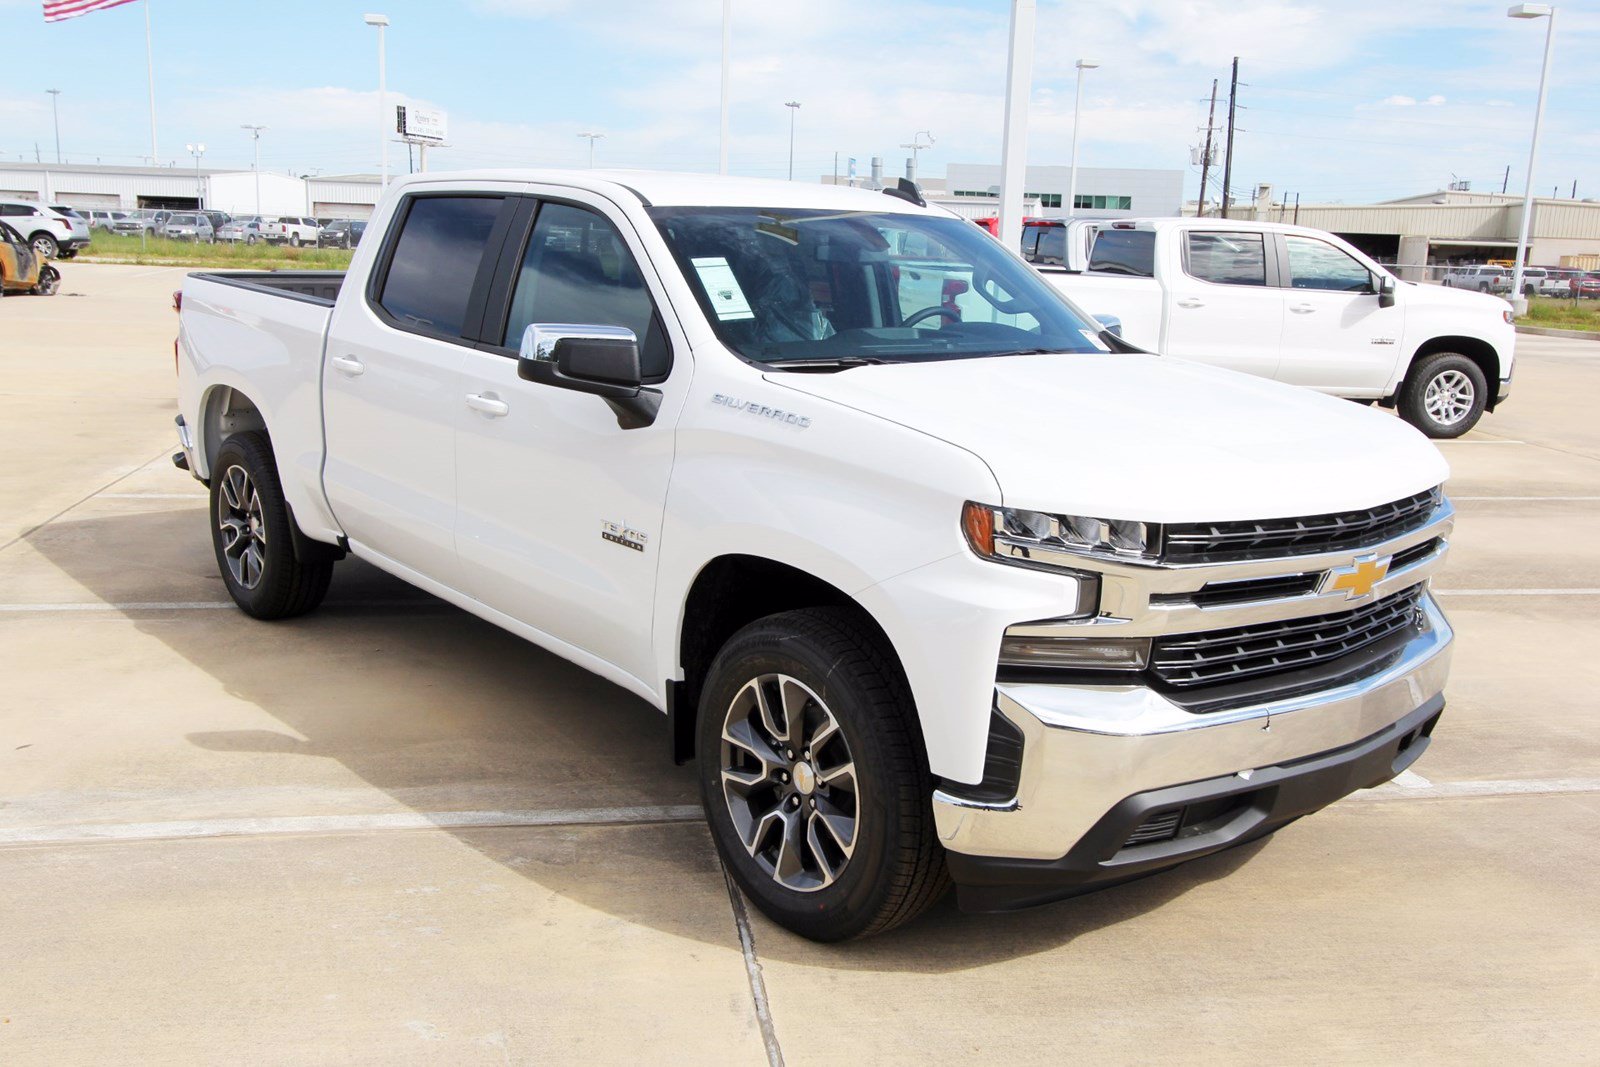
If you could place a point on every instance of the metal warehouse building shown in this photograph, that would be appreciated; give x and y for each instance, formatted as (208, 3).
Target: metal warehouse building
(1422, 234)
(349, 196)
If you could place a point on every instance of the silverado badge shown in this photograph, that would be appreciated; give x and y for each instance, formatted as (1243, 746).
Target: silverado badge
(1357, 580)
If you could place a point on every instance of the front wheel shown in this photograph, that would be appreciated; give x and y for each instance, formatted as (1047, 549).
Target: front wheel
(49, 282)
(814, 779)
(294, 240)
(1444, 395)
(253, 534)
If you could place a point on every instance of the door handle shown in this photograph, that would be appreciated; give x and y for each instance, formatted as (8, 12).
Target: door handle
(1302, 309)
(349, 366)
(488, 404)
(1191, 302)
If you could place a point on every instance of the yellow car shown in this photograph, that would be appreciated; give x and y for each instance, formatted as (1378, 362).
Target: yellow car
(22, 270)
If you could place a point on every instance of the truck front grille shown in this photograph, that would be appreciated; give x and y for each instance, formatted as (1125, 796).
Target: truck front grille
(1218, 657)
(1220, 542)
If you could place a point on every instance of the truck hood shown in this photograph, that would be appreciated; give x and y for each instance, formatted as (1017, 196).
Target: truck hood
(1144, 437)
(1447, 296)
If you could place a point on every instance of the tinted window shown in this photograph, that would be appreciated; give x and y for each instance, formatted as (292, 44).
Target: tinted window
(1124, 252)
(1318, 265)
(436, 260)
(578, 270)
(1228, 258)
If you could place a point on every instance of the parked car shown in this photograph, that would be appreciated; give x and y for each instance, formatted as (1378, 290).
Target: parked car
(862, 557)
(80, 229)
(48, 231)
(1304, 307)
(1482, 278)
(1556, 281)
(341, 233)
(246, 229)
(291, 230)
(106, 220)
(190, 226)
(1589, 286)
(218, 219)
(22, 268)
(140, 221)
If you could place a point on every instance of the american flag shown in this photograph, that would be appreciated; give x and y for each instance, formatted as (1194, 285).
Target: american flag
(56, 10)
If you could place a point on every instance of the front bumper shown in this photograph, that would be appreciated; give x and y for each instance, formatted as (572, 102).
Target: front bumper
(1099, 762)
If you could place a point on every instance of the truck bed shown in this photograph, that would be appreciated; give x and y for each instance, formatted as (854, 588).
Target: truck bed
(317, 286)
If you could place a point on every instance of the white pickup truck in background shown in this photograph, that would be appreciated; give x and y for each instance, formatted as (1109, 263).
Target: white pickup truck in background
(1301, 306)
(935, 579)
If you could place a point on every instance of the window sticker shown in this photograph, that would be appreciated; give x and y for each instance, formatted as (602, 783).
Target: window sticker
(727, 299)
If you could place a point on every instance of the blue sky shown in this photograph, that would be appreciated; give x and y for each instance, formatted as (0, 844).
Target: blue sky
(1348, 100)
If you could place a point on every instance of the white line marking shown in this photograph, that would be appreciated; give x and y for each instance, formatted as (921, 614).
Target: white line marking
(1411, 780)
(304, 824)
(752, 970)
(1518, 592)
(1512, 788)
(152, 496)
(1458, 499)
(199, 605)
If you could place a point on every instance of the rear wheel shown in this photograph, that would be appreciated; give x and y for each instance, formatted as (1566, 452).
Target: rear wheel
(45, 245)
(294, 240)
(813, 777)
(1444, 396)
(253, 534)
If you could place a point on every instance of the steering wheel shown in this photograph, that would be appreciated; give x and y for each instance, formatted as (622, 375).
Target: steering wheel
(938, 309)
(981, 277)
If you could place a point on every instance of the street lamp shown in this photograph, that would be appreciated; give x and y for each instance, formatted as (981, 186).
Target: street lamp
(197, 150)
(1519, 301)
(593, 137)
(722, 104)
(382, 23)
(255, 131)
(55, 98)
(1077, 100)
(794, 109)
(916, 147)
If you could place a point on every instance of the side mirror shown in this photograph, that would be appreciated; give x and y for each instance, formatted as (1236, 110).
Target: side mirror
(602, 360)
(1386, 292)
(1110, 324)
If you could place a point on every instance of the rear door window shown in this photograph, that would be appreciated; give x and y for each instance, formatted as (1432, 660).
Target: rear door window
(1124, 252)
(1226, 257)
(435, 261)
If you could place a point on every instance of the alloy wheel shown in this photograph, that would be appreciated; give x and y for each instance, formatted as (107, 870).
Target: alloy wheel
(1449, 397)
(243, 527)
(790, 783)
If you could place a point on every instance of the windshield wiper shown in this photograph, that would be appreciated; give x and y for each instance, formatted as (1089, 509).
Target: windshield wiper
(826, 365)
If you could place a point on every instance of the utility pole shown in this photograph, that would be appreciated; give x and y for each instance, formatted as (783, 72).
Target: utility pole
(1506, 181)
(1297, 209)
(1205, 153)
(198, 150)
(1014, 134)
(836, 168)
(794, 109)
(381, 23)
(727, 48)
(55, 99)
(1227, 164)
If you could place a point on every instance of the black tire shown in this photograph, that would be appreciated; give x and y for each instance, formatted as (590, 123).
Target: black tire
(44, 244)
(896, 869)
(1439, 367)
(294, 240)
(49, 281)
(284, 586)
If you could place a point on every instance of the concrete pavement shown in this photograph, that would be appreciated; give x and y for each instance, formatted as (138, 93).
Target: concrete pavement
(390, 833)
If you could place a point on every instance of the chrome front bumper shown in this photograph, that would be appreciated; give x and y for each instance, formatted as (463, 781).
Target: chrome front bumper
(1087, 749)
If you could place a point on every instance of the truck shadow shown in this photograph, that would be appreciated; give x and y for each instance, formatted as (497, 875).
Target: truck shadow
(443, 712)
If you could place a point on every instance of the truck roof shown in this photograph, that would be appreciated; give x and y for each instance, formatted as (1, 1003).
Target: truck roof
(1206, 222)
(672, 189)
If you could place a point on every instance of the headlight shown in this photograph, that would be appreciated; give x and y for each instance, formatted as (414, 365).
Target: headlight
(1038, 539)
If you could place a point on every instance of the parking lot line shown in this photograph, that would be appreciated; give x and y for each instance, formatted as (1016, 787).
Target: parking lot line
(1518, 592)
(315, 824)
(195, 605)
(1568, 499)
(1515, 787)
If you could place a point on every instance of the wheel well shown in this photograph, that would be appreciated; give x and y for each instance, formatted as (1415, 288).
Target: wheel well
(1480, 352)
(728, 594)
(226, 411)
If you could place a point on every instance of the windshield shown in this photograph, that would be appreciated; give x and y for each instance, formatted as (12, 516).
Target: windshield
(789, 285)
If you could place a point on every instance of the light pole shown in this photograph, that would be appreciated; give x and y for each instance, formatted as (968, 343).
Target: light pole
(727, 46)
(916, 147)
(1077, 100)
(255, 131)
(794, 109)
(382, 23)
(593, 137)
(1519, 301)
(55, 112)
(197, 150)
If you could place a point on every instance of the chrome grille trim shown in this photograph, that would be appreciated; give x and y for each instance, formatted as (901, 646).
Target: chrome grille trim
(1221, 542)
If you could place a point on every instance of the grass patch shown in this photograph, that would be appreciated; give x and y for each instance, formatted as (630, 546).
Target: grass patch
(1558, 314)
(161, 252)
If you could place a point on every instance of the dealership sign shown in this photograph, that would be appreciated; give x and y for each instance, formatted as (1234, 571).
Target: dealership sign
(420, 123)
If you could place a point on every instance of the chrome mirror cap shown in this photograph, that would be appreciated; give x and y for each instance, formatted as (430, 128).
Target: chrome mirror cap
(539, 338)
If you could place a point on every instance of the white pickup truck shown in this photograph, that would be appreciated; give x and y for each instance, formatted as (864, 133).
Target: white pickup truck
(1304, 307)
(959, 589)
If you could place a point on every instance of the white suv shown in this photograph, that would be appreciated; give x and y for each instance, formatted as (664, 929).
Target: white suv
(49, 232)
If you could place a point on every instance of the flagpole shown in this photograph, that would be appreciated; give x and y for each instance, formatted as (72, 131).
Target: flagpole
(150, 70)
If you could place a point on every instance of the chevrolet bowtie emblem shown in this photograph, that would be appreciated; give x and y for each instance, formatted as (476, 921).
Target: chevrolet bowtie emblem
(1358, 580)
